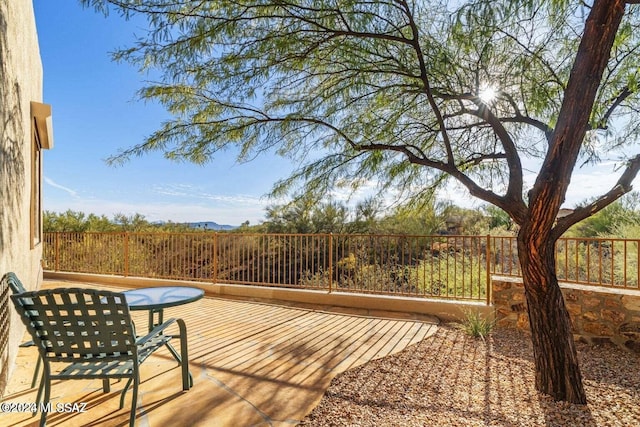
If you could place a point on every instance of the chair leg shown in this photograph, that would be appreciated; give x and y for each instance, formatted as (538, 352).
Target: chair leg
(40, 388)
(106, 387)
(35, 374)
(47, 394)
(187, 381)
(124, 391)
(134, 400)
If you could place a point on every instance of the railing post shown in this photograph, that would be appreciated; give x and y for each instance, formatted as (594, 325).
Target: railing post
(125, 244)
(57, 252)
(488, 255)
(330, 262)
(214, 273)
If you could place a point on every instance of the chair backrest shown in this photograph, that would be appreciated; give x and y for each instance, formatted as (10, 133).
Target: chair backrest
(73, 324)
(14, 283)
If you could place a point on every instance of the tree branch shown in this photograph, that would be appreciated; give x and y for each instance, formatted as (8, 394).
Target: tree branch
(514, 191)
(624, 94)
(477, 158)
(622, 187)
(424, 77)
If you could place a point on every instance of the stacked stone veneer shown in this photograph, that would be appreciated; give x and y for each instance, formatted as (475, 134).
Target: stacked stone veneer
(597, 314)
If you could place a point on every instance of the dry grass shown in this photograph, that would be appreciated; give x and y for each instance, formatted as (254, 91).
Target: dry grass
(452, 379)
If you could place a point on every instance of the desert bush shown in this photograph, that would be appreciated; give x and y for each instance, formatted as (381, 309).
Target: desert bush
(475, 325)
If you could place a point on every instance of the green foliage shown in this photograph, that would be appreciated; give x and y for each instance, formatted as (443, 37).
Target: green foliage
(73, 221)
(476, 325)
(361, 91)
(498, 219)
(305, 215)
(452, 274)
(419, 220)
(465, 221)
(612, 221)
(79, 222)
(626, 231)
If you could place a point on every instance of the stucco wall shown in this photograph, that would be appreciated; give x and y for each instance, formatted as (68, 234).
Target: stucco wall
(597, 314)
(20, 83)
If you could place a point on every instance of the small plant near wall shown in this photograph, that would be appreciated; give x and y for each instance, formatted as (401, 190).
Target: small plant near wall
(476, 325)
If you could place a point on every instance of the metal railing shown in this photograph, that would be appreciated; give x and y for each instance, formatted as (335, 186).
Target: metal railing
(449, 267)
(603, 262)
(453, 267)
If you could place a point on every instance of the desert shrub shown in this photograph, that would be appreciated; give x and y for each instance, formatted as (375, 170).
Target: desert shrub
(451, 275)
(476, 325)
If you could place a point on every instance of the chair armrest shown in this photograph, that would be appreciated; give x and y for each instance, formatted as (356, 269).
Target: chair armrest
(155, 331)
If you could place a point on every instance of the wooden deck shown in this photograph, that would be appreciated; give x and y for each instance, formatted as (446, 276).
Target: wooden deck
(252, 363)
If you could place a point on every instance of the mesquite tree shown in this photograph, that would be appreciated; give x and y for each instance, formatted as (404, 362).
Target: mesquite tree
(410, 93)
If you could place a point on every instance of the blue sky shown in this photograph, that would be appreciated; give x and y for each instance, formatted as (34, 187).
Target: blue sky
(95, 114)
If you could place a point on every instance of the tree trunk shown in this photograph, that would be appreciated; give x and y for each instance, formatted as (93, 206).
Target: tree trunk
(556, 360)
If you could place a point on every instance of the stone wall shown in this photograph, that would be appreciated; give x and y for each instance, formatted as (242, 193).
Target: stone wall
(597, 314)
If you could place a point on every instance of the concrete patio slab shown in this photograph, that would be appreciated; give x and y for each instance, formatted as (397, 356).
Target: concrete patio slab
(253, 364)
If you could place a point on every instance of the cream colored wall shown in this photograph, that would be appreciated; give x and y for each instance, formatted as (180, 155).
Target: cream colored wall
(20, 83)
(373, 305)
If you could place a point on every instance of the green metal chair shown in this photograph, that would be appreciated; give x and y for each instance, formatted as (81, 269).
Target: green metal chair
(17, 287)
(92, 330)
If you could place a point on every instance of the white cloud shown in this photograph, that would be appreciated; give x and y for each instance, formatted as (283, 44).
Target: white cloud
(60, 187)
(585, 186)
(173, 202)
(197, 193)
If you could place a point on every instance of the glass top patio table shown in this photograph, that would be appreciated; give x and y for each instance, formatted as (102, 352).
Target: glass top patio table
(156, 299)
(159, 298)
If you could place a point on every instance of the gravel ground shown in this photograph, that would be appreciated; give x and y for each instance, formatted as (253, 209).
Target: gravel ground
(451, 379)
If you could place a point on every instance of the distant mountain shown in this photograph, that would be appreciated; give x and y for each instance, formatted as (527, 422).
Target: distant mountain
(210, 225)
